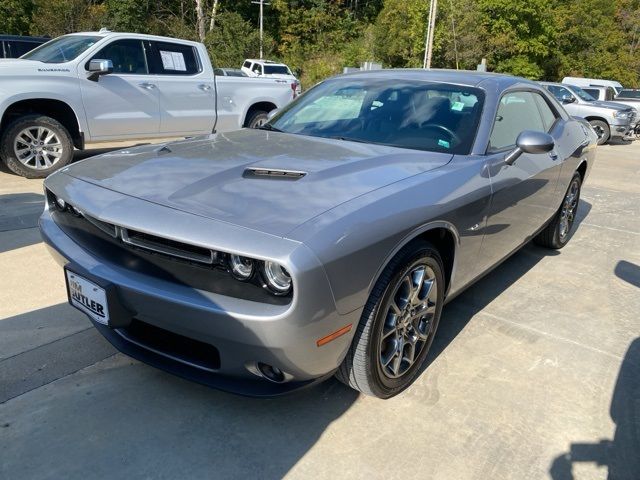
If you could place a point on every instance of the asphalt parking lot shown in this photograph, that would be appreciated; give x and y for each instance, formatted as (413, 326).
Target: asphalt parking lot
(535, 374)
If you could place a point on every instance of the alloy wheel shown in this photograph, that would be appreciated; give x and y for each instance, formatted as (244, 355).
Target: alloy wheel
(409, 321)
(37, 147)
(569, 208)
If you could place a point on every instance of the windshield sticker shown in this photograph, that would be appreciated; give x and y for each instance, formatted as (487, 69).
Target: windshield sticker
(173, 61)
(443, 143)
(457, 106)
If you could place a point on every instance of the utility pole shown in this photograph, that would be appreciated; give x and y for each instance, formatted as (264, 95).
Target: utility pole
(262, 4)
(431, 26)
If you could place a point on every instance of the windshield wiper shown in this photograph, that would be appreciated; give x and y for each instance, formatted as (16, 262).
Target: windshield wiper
(269, 128)
(349, 139)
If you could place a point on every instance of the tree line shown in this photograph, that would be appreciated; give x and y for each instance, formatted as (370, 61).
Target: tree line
(538, 39)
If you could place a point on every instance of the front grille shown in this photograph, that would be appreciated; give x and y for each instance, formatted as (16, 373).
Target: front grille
(168, 344)
(167, 246)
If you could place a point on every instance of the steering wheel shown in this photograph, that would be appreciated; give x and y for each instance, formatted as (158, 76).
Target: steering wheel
(452, 135)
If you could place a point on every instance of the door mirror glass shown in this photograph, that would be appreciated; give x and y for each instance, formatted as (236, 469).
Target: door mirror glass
(568, 99)
(272, 113)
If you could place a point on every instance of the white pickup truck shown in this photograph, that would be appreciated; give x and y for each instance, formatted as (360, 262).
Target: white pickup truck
(111, 87)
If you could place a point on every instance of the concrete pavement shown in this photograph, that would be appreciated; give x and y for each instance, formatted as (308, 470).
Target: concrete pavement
(535, 373)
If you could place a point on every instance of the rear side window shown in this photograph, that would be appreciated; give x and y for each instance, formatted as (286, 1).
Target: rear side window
(517, 111)
(246, 64)
(127, 57)
(257, 68)
(175, 59)
(276, 70)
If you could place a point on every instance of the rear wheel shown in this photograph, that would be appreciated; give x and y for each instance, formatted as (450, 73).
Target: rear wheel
(398, 324)
(556, 233)
(602, 130)
(256, 119)
(34, 146)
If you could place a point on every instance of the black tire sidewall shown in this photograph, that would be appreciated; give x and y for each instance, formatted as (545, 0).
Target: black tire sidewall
(8, 137)
(384, 386)
(255, 116)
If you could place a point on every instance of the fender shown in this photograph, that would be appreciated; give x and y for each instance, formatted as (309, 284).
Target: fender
(412, 235)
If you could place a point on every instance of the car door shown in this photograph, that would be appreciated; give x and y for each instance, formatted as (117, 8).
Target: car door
(124, 103)
(524, 193)
(186, 89)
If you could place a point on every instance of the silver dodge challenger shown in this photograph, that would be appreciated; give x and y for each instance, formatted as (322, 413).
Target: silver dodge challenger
(327, 241)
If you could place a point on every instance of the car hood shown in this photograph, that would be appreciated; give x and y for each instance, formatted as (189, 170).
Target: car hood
(17, 66)
(612, 105)
(212, 176)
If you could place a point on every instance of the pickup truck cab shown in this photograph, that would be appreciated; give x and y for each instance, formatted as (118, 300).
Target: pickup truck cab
(114, 87)
(608, 119)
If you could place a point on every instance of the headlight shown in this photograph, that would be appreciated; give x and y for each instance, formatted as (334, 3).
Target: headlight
(620, 114)
(241, 267)
(277, 278)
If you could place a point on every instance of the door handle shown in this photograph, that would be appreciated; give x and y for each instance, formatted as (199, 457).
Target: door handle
(205, 87)
(146, 85)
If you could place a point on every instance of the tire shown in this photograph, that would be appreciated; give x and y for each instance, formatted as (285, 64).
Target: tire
(557, 233)
(256, 119)
(602, 130)
(43, 143)
(364, 365)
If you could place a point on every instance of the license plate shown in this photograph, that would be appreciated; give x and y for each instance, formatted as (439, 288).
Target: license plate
(88, 297)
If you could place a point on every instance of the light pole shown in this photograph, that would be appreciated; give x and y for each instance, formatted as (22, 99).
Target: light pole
(431, 24)
(262, 4)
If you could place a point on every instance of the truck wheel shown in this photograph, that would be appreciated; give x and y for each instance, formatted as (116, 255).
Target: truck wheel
(256, 119)
(602, 130)
(34, 146)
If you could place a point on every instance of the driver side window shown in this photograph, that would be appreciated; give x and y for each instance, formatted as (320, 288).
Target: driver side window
(517, 112)
(127, 56)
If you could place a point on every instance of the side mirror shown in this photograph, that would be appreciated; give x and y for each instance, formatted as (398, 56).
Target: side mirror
(568, 99)
(99, 67)
(272, 113)
(530, 141)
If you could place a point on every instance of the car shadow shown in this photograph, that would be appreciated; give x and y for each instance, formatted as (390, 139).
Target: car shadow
(621, 455)
(629, 272)
(463, 308)
(19, 213)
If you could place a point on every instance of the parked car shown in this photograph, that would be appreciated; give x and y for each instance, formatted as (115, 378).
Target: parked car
(325, 242)
(230, 72)
(95, 87)
(608, 119)
(629, 93)
(631, 97)
(270, 69)
(593, 82)
(14, 46)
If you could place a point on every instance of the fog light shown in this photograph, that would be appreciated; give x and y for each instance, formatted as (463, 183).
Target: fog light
(241, 267)
(271, 373)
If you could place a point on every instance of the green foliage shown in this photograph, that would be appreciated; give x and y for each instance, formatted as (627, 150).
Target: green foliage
(15, 16)
(233, 39)
(317, 38)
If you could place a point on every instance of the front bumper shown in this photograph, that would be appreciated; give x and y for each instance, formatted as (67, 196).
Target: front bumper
(621, 128)
(241, 332)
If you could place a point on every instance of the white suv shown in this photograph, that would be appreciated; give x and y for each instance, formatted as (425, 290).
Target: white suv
(269, 69)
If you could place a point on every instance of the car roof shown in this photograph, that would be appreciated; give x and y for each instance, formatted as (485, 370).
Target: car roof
(109, 34)
(470, 78)
(265, 62)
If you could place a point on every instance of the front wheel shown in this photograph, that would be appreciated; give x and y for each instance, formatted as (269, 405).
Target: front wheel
(556, 233)
(398, 324)
(602, 130)
(34, 146)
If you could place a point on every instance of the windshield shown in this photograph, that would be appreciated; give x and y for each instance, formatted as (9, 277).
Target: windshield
(418, 115)
(629, 94)
(62, 49)
(276, 70)
(582, 94)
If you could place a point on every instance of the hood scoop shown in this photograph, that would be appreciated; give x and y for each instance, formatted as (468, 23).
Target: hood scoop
(274, 173)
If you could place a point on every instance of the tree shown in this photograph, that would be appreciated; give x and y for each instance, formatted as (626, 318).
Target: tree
(57, 17)
(15, 16)
(399, 33)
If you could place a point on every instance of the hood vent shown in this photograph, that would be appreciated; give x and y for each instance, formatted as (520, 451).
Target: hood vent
(255, 172)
